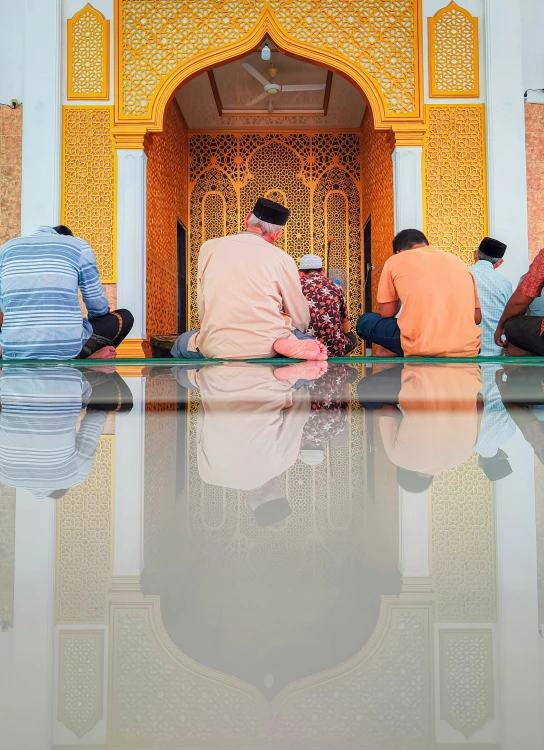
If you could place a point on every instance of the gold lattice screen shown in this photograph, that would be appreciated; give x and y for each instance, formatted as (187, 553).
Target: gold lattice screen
(317, 176)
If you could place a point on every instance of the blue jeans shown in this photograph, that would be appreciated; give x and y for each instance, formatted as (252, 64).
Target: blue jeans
(179, 350)
(381, 331)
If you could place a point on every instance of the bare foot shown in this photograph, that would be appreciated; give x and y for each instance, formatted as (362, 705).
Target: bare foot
(381, 351)
(513, 351)
(309, 349)
(301, 371)
(107, 352)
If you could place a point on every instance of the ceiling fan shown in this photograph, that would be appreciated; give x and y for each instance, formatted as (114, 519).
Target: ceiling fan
(271, 88)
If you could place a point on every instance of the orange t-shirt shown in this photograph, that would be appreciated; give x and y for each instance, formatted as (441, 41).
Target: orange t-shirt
(438, 297)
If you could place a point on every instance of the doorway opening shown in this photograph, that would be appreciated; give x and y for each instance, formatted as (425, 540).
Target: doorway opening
(285, 129)
(367, 265)
(182, 277)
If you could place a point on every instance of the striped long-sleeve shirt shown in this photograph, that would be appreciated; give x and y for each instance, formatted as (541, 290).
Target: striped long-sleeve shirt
(39, 280)
(40, 446)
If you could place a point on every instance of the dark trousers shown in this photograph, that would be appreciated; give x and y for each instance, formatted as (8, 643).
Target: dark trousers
(108, 330)
(524, 332)
(381, 331)
(380, 389)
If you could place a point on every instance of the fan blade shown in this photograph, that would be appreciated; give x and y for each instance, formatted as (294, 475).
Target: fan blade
(256, 99)
(255, 73)
(304, 87)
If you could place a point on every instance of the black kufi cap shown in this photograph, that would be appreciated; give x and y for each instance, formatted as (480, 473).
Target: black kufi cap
(272, 212)
(493, 248)
(272, 512)
(496, 467)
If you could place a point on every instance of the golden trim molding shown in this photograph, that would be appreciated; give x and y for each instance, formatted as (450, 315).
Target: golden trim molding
(134, 349)
(454, 64)
(267, 25)
(88, 63)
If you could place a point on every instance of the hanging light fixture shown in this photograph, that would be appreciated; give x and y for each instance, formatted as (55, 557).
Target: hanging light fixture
(265, 52)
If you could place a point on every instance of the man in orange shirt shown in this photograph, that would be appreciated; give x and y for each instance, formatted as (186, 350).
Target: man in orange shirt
(437, 294)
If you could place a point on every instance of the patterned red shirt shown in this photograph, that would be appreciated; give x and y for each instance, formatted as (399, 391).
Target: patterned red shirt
(533, 283)
(328, 309)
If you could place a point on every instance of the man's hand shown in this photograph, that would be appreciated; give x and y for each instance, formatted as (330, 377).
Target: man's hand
(516, 305)
(499, 333)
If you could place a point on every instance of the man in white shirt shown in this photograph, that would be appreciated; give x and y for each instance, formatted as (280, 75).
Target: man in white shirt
(494, 291)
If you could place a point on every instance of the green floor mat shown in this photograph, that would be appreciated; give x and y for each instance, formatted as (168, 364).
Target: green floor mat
(278, 361)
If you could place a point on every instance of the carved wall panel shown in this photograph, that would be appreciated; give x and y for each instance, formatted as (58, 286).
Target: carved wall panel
(382, 695)
(155, 38)
(463, 544)
(84, 542)
(81, 681)
(453, 53)
(455, 184)
(7, 555)
(378, 198)
(167, 202)
(466, 679)
(317, 176)
(89, 168)
(88, 55)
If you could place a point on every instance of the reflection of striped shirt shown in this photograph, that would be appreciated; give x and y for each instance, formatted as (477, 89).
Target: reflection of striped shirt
(40, 447)
(39, 280)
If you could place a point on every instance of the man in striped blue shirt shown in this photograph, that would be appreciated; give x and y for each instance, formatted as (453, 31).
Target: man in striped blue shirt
(39, 280)
(494, 291)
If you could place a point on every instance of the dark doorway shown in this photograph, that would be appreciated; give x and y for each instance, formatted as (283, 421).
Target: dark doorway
(182, 277)
(367, 264)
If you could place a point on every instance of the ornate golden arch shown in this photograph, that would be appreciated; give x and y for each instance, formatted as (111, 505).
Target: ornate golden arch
(130, 131)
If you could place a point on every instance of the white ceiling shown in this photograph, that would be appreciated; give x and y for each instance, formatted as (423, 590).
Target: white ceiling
(236, 88)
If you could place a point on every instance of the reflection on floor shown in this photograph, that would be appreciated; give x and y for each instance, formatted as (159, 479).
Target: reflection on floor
(250, 556)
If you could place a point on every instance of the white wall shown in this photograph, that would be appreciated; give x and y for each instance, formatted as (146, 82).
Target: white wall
(12, 50)
(532, 19)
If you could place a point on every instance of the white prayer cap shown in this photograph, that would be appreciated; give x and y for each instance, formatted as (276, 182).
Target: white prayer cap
(310, 262)
(312, 457)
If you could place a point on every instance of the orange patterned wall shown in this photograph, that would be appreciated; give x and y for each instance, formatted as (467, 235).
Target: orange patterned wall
(378, 200)
(534, 126)
(11, 154)
(167, 201)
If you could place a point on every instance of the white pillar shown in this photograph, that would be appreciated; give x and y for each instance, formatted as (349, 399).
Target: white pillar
(414, 533)
(42, 114)
(27, 668)
(128, 557)
(131, 236)
(517, 599)
(408, 187)
(507, 178)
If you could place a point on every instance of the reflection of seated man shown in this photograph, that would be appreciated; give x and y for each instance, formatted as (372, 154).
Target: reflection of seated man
(249, 429)
(39, 280)
(436, 426)
(250, 301)
(440, 306)
(269, 606)
(522, 392)
(524, 333)
(41, 448)
(496, 428)
(329, 412)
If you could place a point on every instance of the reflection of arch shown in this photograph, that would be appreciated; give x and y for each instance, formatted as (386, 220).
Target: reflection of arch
(356, 699)
(131, 130)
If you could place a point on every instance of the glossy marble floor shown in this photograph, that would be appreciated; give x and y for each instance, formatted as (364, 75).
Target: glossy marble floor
(248, 556)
